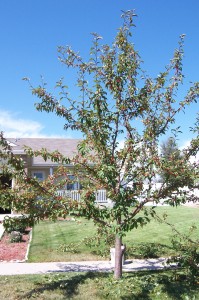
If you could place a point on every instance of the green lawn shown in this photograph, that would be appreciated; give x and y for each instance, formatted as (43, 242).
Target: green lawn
(84, 286)
(47, 236)
(145, 285)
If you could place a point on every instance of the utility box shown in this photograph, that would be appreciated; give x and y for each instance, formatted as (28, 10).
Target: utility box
(112, 253)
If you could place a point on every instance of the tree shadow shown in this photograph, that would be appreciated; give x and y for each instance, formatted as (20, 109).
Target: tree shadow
(175, 289)
(178, 289)
(69, 286)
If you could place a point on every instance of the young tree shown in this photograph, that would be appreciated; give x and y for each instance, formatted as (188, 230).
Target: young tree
(118, 102)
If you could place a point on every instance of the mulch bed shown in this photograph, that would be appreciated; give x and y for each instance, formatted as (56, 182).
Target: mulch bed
(14, 251)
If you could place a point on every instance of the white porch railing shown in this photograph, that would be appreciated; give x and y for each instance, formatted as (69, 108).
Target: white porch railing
(101, 196)
(75, 195)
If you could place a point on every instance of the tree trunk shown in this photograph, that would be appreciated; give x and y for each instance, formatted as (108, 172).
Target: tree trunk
(118, 257)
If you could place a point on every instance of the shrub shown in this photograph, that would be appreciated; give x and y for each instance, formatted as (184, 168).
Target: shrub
(18, 223)
(149, 250)
(15, 237)
(187, 258)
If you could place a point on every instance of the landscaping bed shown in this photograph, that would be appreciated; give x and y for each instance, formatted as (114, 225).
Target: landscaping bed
(14, 251)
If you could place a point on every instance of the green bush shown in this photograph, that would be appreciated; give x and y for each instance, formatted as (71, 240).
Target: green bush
(187, 258)
(15, 237)
(148, 250)
(18, 223)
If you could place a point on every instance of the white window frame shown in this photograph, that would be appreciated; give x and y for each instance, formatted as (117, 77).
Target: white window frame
(38, 172)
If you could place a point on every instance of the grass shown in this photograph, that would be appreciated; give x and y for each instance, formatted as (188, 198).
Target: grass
(145, 285)
(84, 286)
(47, 236)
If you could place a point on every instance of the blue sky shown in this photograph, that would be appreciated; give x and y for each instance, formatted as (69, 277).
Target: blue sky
(31, 30)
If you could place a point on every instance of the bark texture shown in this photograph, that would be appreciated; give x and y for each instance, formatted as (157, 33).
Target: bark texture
(118, 258)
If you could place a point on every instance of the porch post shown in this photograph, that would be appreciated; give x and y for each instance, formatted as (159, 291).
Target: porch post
(51, 171)
(13, 183)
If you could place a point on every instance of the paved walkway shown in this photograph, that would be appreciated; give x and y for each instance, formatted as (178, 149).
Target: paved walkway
(14, 268)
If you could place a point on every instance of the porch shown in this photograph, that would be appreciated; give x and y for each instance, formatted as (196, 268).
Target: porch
(75, 195)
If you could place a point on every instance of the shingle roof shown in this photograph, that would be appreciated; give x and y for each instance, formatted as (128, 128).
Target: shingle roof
(68, 147)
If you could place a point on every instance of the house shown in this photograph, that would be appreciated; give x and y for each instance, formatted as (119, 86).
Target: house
(37, 166)
(41, 169)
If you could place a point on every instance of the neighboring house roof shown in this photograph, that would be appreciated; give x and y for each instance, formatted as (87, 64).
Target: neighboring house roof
(67, 147)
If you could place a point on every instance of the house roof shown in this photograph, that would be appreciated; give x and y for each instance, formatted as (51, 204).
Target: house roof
(68, 147)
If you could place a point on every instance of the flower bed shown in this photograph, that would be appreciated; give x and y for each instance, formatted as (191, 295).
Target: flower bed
(14, 251)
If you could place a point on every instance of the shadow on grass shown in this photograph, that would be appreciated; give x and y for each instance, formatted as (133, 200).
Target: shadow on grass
(175, 289)
(145, 284)
(179, 289)
(133, 286)
(68, 285)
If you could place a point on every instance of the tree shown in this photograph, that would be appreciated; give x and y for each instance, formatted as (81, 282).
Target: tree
(118, 102)
(170, 148)
(169, 152)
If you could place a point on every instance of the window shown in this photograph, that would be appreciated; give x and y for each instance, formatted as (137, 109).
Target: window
(73, 184)
(39, 175)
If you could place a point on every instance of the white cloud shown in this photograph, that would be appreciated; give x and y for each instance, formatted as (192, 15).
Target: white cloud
(121, 144)
(15, 127)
